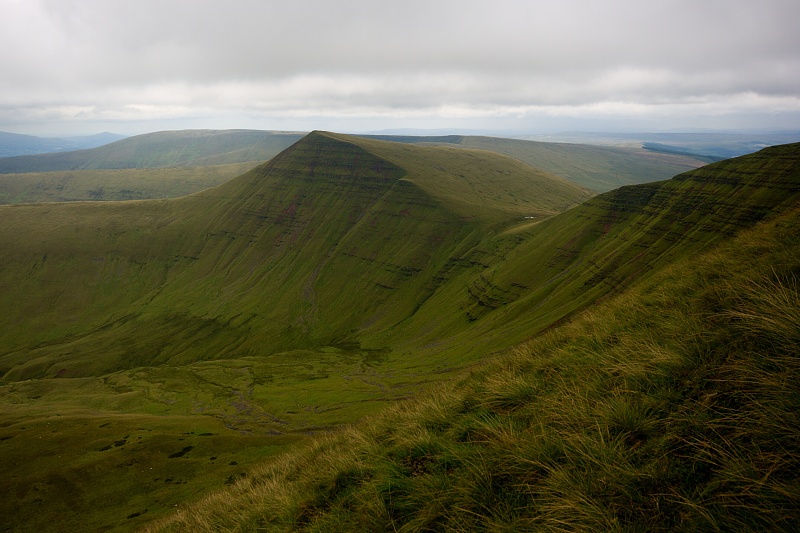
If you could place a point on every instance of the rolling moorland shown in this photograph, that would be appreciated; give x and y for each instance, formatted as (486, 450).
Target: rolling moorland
(166, 164)
(710, 146)
(14, 144)
(178, 163)
(598, 168)
(623, 361)
(161, 149)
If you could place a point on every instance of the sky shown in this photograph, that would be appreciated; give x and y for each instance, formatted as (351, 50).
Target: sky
(75, 67)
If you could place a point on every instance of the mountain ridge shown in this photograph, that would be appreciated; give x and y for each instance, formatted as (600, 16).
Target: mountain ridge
(251, 231)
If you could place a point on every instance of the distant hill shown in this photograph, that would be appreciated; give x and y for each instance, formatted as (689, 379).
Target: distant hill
(599, 168)
(115, 184)
(707, 146)
(125, 170)
(161, 149)
(14, 144)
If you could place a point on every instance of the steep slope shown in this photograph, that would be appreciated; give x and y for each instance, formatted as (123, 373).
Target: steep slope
(196, 271)
(534, 275)
(671, 407)
(161, 149)
(432, 270)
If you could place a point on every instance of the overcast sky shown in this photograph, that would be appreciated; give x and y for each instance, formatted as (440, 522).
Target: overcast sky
(133, 66)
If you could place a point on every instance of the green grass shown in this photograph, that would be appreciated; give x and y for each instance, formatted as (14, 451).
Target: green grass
(318, 288)
(194, 271)
(671, 407)
(88, 453)
(114, 185)
(90, 470)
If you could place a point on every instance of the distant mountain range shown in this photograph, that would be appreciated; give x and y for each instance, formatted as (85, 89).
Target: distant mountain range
(599, 168)
(12, 144)
(709, 146)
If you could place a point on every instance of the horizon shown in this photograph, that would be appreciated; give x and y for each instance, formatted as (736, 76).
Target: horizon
(510, 134)
(81, 67)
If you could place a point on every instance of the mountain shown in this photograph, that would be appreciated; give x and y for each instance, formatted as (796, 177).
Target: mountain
(161, 149)
(325, 201)
(172, 164)
(157, 165)
(155, 350)
(599, 168)
(14, 144)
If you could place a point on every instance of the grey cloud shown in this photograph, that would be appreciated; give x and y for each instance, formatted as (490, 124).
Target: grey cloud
(157, 58)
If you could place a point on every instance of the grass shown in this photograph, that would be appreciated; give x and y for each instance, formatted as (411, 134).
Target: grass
(114, 185)
(598, 168)
(92, 470)
(119, 444)
(339, 277)
(671, 407)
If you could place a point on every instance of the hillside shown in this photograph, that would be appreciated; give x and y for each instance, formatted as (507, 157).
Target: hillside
(196, 336)
(115, 185)
(598, 168)
(521, 281)
(323, 202)
(671, 407)
(161, 149)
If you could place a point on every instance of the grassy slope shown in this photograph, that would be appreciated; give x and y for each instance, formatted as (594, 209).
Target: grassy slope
(247, 275)
(115, 185)
(198, 271)
(161, 149)
(287, 230)
(521, 281)
(672, 406)
(599, 168)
